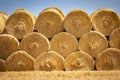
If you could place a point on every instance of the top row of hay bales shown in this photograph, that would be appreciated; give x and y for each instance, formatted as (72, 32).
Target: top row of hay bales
(52, 21)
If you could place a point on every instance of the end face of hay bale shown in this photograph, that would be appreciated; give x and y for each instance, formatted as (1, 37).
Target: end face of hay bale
(49, 61)
(35, 43)
(109, 59)
(3, 19)
(79, 61)
(20, 23)
(105, 21)
(77, 22)
(64, 43)
(93, 43)
(49, 22)
(114, 39)
(19, 61)
(8, 44)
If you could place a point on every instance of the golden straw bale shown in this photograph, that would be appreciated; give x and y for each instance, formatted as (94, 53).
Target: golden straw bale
(114, 39)
(77, 22)
(35, 43)
(109, 59)
(20, 23)
(19, 61)
(105, 21)
(64, 43)
(93, 43)
(79, 61)
(50, 22)
(49, 61)
(8, 44)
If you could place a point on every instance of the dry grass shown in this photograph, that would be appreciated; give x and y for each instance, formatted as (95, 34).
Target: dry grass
(61, 75)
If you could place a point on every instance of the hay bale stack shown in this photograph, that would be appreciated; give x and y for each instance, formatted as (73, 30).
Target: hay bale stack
(19, 61)
(8, 44)
(2, 64)
(49, 61)
(79, 61)
(64, 43)
(34, 44)
(114, 39)
(20, 23)
(49, 22)
(109, 59)
(105, 21)
(77, 22)
(54, 48)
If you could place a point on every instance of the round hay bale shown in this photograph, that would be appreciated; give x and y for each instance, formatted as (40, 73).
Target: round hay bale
(3, 18)
(109, 59)
(2, 63)
(50, 22)
(20, 23)
(79, 61)
(77, 22)
(64, 43)
(8, 44)
(4, 14)
(93, 43)
(49, 61)
(54, 8)
(114, 39)
(35, 43)
(19, 61)
(105, 21)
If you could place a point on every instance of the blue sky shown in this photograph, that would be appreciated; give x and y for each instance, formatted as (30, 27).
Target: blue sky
(36, 6)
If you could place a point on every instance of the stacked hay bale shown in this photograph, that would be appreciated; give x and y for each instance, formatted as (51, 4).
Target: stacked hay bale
(77, 22)
(20, 23)
(3, 19)
(19, 61)
(53, 42)
(49, 61)
(49, 22)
